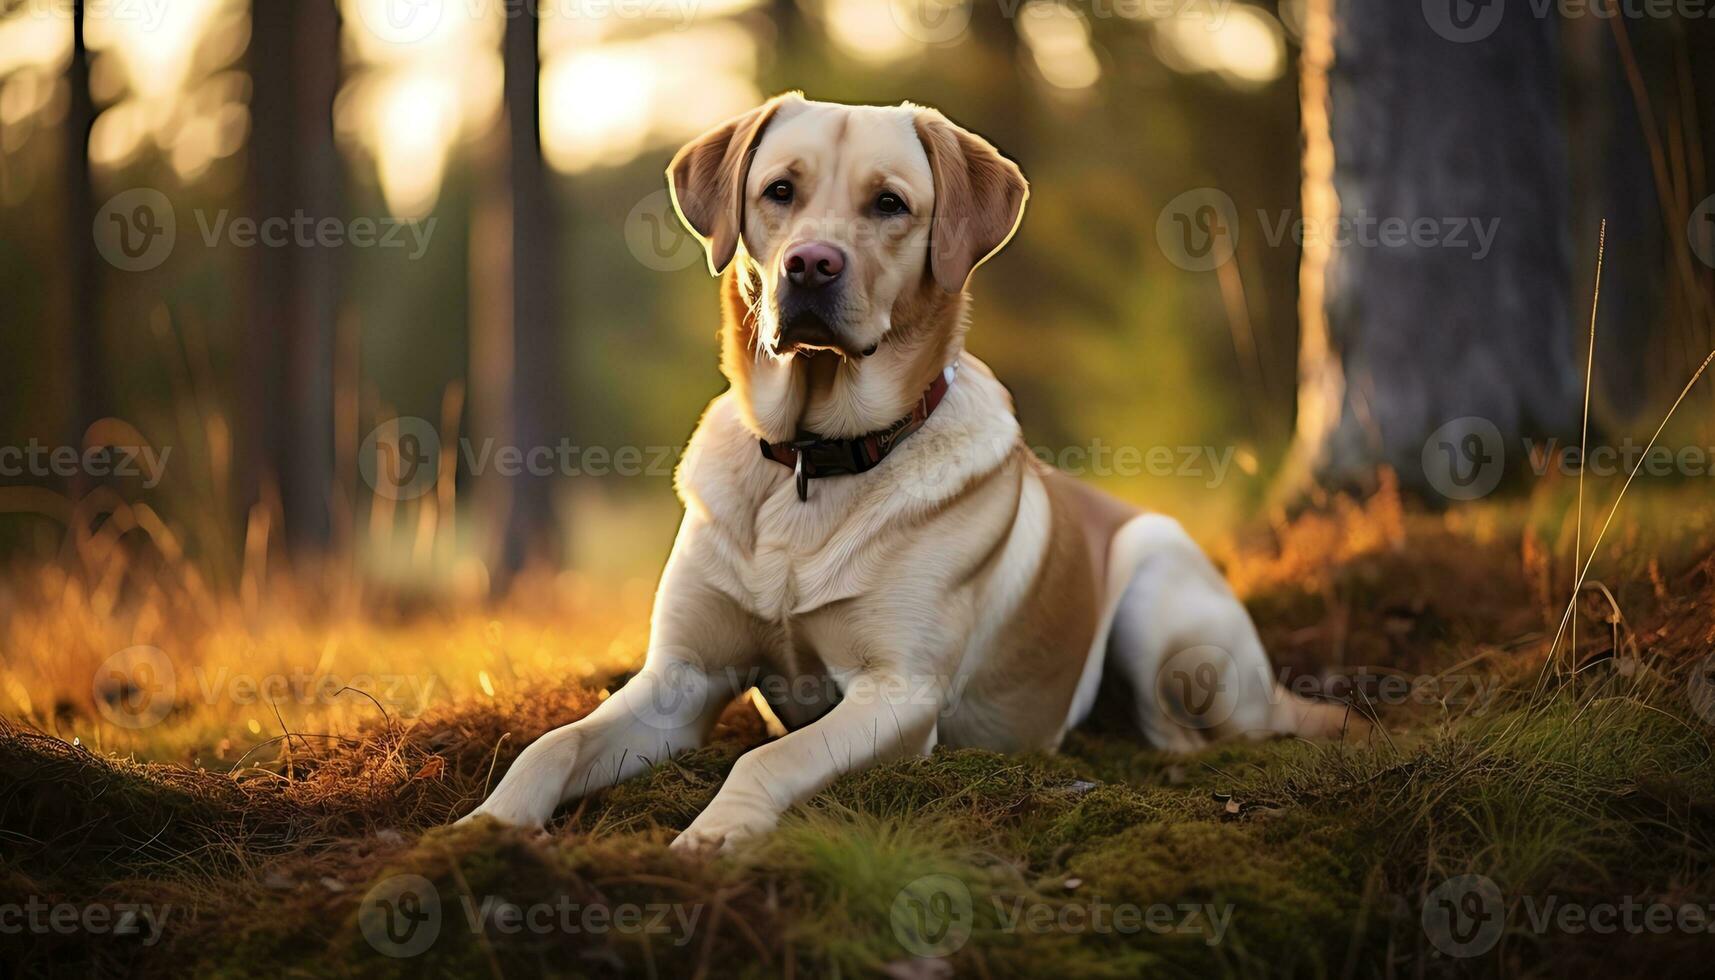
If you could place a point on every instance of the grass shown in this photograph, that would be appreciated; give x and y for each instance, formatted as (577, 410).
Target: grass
(261, 851)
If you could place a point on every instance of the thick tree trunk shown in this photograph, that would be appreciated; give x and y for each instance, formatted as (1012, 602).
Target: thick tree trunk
(1615, 184)
(1448, 335)
(294, 169)
(531, 533)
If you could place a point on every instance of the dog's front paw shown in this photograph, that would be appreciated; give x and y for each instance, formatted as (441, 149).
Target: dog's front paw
(517, 802)
(717, 833)
(533, 788)
(509, 816)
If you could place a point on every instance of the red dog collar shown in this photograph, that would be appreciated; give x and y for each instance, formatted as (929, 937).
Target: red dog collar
(812, 457)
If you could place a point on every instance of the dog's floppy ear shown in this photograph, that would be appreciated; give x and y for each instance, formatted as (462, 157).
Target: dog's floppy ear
(979, 199)
(706, 179)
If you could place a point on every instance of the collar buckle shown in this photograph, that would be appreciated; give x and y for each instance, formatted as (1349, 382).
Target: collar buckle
(838, 457)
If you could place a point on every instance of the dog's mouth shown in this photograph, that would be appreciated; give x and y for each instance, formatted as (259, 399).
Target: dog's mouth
(806, 332)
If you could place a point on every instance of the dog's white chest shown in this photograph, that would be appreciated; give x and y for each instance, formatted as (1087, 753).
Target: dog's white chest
(800, 559)
(780, 557)
(768, 582)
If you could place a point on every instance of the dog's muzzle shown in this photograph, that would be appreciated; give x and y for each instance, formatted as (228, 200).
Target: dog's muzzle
(807, 321)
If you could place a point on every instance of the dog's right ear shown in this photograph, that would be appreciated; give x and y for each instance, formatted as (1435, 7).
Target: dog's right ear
(979, 199)
(706, 179)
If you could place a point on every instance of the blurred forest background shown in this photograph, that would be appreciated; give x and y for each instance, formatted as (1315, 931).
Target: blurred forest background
(547, 295)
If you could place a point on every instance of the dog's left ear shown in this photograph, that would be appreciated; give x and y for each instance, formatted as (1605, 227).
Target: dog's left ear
(706, 179)
(979, 199)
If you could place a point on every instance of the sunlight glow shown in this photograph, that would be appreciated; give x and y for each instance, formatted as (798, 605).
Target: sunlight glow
(588, 22)
(35, 46)
(418, 119)
(165, 74)
(604, 104)
(616, 82)
(28, 96)
(1246, 48)
(117, 135)
(596, 106)
(158, 53)
(30, 40)
(423, 78)
(870, 30)
(1059, 41)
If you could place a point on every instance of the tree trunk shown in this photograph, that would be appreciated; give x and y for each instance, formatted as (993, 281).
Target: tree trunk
(490, 367)
(530, 529)
(1614, 183)
(294, 169)
(89, 383)
(1438, 355)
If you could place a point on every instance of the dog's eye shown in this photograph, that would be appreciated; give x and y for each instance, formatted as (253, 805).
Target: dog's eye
(780, 191)
(891, 203)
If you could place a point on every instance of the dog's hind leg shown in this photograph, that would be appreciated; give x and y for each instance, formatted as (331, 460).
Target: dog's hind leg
(1188, 652)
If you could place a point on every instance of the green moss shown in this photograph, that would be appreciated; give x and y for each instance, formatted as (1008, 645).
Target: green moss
(1099, 813)
(1312, 857)
(1282, 901)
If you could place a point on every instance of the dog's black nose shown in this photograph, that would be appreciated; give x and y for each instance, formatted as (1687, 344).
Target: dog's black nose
(814, 264)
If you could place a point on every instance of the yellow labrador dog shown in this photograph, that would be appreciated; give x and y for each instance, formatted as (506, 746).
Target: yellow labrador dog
(867, 540)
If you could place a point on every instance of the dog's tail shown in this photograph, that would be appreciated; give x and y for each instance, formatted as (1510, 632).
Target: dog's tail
(1315, 718)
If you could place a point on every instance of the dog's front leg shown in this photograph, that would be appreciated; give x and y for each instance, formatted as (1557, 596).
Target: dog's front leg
(880, 716)
(699, 646)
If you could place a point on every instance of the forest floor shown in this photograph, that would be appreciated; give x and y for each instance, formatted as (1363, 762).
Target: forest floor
(1504, 819)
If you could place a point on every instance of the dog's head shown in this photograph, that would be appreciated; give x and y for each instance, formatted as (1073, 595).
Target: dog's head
(843, 219)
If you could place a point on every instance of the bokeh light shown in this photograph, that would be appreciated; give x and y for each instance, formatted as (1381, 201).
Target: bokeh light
(1059, 41)
(1245, 47)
